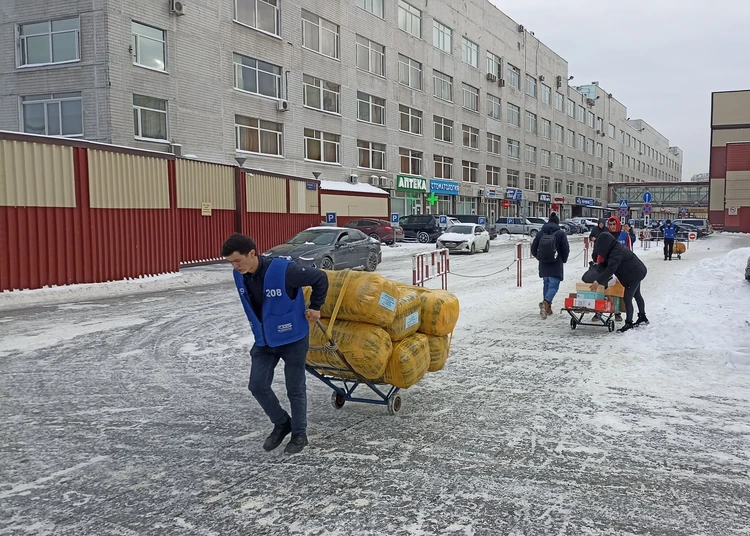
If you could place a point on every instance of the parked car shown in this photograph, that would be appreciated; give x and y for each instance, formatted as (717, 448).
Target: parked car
(380, 230)
(423, 228)
(517, 226)
(473, 218)
(568, 228)
(465, 237)
(331, 248)
(541, 221)
(577, 228)
(704, 227)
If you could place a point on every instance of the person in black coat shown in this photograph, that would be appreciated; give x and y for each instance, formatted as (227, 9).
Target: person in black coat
(615, 259)
(551, 260)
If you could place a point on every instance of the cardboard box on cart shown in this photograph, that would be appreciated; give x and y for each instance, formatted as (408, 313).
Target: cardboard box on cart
(615, 293)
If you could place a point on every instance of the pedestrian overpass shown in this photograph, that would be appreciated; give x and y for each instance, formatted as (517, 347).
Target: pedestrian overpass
(667, 198)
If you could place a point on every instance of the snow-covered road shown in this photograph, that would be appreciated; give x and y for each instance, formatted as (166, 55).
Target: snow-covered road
(129, 414)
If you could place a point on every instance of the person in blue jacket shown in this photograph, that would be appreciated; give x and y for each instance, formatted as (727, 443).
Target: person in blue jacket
(271, 294)
(669, 235)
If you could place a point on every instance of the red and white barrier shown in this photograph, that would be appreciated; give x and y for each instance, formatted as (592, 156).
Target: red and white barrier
(586, 244)
(429, 265)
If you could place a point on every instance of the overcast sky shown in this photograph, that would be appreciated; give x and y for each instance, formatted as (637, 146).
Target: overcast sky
(660, 58)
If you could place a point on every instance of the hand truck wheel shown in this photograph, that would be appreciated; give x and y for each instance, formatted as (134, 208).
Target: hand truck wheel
(611, 326)
(337, 400)
(394, 404)
(573, 323)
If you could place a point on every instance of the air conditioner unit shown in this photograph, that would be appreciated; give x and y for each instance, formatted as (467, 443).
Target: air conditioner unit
(176, 7)
(590, 102)
(541, 77)
(175, 149)
(521, 28)
(353, 178)
(282, 105)
(610, 165)
(491, 77)
(559, 81)
(501, 83)
(481, 192)
(374, 180)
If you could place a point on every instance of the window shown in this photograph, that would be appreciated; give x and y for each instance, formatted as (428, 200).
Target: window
(411, 161)
(600, 124)
(590, 146)
(581, 114)
(570, 138)
(57, 41)
(471, 171)
(469, 52)
(514, 115)
(58, 114)
(494, 65)
(494, 107)
(470, 137)
(409, 72)
(530, 154)
(322, 146)
(514, 149)
(599, 173)
(599, 150)
(443, 167)
(579, 188)
(493, 176)
(559, 102)
(494, 144)
(409, 19)
(372, 6)
(257, 77)
(442, 86)
(558, 162)
(150, 118)
(370, 108)
(471, 97)
(592, 117)
(589, 171)
(612, 134)
(546, 94)
(370, 56)
(443, 129)
(571, 108)
(256, 136)
(546, 155)
(321, 95)
(371, 155)
(579, 167)
(558, 186)
(513, 178)
(545, 185)
(411, 119)
(581, 142)
(569, 187)
(262, 15)
(531, 122)
(570, 165)
(514, 76)
(598, 194)
(529, 181)
(530, 86)
(320, 35)
(611, 155)
(559, 133)
(442, 37)
(149, 47)
(622, 159)
(546, 129)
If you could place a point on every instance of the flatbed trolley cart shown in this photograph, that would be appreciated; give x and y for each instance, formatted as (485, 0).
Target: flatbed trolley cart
(600, 319)
(345, 382)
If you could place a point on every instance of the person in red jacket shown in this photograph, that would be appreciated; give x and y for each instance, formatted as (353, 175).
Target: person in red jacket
(615, 229)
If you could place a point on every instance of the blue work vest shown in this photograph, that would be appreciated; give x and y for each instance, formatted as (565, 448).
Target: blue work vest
(623, 238)
(669, 231)
(284, 320)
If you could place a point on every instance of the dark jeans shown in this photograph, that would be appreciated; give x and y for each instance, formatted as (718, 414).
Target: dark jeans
(633, 291)
(264, 361)
(668, 247)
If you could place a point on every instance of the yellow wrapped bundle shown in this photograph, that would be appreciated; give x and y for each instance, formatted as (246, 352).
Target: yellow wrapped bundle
(367, 297)
(409, 362)
(439, 312)
(367, 348)
(439, 348)
(408, 314)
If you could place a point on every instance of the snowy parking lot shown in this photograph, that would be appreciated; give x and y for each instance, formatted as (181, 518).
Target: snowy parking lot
(124, 410)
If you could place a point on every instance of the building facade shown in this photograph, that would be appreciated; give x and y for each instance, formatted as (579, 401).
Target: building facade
(459, 95)
(729, 202)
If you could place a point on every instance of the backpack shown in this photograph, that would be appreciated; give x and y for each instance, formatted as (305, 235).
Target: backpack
(547, 250)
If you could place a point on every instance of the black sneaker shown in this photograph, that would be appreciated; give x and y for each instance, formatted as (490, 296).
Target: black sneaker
(618, 317)
(296, 444)
(280, 431)
(642, 320)
(627, 326)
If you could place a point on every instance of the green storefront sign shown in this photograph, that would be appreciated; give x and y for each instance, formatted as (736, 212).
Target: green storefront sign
(409, 183)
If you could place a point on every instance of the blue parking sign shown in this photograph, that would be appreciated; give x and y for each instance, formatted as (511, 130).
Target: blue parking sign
(394, 217)
(443, 220)
(482, 220)
(331, 217)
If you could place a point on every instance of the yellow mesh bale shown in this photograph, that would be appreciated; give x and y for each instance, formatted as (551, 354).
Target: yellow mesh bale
(408, 313)
(367, 348)
(409, 362)
(439, 313)
(439, 348)
(368, 297)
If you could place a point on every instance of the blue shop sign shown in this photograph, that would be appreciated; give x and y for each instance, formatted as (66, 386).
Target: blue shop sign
(585, 201)
(443, 187)
(514, 194)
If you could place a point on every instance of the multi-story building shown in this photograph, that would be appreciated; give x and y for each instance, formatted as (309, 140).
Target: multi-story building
(459, 95)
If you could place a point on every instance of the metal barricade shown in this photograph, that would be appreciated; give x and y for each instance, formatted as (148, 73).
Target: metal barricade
(429, 265)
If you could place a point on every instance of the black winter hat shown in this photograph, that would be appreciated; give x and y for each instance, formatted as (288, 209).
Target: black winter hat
(554, 219)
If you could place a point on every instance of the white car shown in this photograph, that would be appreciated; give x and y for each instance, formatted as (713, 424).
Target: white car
(465, 237)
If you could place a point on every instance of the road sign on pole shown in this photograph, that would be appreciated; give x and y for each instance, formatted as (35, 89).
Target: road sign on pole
(647, 208)
(481, 220)
(647, 197)
(394, 217)
(624, 212)
(331, 218)
(443, 221)
(623, 203)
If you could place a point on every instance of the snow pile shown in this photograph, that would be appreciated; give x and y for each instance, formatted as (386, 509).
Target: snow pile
(359, 187)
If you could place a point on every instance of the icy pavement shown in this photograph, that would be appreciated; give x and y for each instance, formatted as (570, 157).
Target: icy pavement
(130, 415)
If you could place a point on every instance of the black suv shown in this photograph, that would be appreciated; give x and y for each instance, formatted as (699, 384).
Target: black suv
(473, 218)
(422, 228)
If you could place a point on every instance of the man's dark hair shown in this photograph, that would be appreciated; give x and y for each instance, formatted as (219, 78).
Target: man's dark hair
(240, 243)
